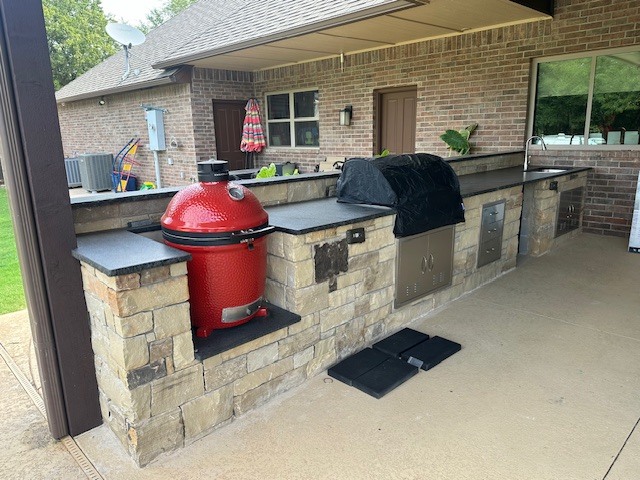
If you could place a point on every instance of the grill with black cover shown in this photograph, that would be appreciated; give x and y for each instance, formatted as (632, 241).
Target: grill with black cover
(422, 188)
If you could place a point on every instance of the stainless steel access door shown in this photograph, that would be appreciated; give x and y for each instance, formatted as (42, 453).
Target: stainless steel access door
(424, 263)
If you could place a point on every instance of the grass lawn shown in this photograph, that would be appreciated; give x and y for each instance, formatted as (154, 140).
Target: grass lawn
(11, 293)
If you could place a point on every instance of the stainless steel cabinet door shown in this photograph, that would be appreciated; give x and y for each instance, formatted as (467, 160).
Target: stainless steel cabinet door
(439, 261)
(424, 264)
(569, 210)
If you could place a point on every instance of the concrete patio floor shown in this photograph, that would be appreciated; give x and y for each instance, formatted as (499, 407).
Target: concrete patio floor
(546, 387)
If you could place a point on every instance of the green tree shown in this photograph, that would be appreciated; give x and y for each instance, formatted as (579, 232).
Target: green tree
(158, 16)
(76, 36)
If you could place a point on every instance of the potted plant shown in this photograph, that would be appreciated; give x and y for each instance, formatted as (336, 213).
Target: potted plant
(458, 140)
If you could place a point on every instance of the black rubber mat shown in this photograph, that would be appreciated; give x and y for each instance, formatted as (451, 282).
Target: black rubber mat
(357, 364)
(428, 354)
(383, 378)
(400, 341)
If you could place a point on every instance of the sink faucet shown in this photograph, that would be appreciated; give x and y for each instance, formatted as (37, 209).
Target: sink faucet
(526, 149)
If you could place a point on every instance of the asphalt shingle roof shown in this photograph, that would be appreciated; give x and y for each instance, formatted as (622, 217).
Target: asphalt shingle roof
(160, 42)
(262, 19)
(209, 26)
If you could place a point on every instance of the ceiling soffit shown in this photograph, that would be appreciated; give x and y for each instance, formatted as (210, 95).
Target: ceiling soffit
(437, 18)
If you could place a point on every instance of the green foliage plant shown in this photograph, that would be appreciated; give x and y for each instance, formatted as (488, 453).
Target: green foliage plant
(158, 16)
(76, 37)
(267, 172)
(458, 140)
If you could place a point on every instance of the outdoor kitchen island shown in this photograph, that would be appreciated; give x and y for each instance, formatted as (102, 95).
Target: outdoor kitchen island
(157, 396)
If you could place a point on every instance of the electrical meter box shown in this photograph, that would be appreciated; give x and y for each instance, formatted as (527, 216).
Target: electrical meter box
(155, 124)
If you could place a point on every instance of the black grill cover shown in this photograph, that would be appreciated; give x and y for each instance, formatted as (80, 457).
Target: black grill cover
(422, 188)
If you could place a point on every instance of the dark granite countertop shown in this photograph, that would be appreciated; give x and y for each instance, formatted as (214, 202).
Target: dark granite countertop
(493, 180)
(314, 215)
(121, 252)
(107, 198)
(118, 252)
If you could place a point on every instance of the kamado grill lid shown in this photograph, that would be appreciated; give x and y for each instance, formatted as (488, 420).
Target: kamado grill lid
(214, 211)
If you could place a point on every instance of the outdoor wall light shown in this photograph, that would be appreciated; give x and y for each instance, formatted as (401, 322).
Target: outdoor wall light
(345, 115)
(101, 101)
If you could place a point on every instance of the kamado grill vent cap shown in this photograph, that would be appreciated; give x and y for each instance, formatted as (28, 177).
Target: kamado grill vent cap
(213, 171)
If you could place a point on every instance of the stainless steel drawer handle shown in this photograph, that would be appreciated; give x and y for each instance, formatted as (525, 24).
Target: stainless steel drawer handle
(423, 265)
(492, 230)
(493, 249)
(493, 213)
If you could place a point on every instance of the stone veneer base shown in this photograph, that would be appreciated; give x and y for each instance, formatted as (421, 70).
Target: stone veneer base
(157, 396)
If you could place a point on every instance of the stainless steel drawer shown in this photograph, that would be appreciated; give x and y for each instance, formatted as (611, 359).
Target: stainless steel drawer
(492, 231)
(493, 213)
(490, 241)
(490, 251)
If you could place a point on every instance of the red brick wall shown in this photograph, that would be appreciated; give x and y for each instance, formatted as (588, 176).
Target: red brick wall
(479, 77)
(611, 186)
(209, 85)
(87, 127)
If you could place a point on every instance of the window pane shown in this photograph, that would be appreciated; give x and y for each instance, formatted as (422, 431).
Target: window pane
(278, 106)
(561, 100)
(279, 134)
(615, 113)
(305, 104)
(307, 134)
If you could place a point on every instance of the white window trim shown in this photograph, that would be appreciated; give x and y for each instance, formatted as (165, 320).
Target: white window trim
(533, 80)
(291, 120)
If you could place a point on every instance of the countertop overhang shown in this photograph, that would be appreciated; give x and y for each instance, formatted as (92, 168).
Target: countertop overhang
(119, 252)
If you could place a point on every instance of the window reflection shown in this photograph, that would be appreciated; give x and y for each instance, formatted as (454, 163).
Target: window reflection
(615, 111)
(605, 87)
(561, 100)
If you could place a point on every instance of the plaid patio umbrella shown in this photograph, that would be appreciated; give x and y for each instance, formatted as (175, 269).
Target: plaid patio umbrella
(252, 135)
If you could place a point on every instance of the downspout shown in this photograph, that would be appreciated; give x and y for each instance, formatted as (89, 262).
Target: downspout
(156, 166)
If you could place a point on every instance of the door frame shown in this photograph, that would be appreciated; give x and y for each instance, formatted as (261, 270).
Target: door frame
(219, 101)
(377, 111)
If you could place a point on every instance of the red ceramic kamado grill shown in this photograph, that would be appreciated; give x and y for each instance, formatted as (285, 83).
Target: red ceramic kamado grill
(223, 226)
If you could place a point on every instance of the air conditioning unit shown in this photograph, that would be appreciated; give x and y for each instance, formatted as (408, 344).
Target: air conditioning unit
(72, 167)
(95, 171)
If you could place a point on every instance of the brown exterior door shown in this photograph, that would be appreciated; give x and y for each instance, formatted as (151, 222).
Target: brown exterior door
(397, 120)
(228, 116)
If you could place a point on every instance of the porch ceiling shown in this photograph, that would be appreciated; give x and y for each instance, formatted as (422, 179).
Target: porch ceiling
(437, 18)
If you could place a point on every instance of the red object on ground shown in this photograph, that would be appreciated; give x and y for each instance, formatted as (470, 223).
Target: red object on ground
(223, 226)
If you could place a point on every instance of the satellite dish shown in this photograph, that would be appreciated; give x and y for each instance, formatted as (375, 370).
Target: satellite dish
(127, 36)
